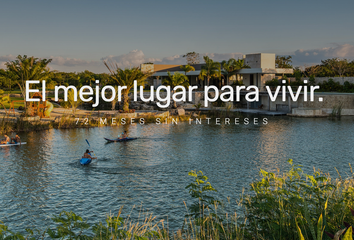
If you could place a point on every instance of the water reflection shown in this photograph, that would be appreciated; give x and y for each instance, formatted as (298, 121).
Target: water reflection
(44, 177)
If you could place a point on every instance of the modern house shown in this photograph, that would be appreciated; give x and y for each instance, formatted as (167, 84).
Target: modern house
(262, 68)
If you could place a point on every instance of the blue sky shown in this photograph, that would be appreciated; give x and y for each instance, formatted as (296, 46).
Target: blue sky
(78, 34)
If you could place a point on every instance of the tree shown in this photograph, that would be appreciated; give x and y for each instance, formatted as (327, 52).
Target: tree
(103, 77)
(339, 66)
(283, 62)
(6, 78)
(240, 64)
(71, 100)
(177, 79)
(87, 77)
(297, 74)
(310, 71)
(187, 68)
(231, 67)
(4, 99)
(210, 69)
(228, 68)
(73, 79)
(126, 78)
(28, 68)
(115, 100)
(220, 76)
(57, 77)
(192, 58)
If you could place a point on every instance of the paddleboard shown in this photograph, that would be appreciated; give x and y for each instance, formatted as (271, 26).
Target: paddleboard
(12, 144)
(120, 140)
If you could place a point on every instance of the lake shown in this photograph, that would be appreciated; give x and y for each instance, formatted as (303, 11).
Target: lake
(44, 177)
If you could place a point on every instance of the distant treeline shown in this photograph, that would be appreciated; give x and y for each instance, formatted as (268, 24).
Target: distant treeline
(333, 67)
(60, 78)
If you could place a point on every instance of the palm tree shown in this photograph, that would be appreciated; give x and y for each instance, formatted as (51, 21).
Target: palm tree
(187, 68)
(126, 78)
(115, 100)
(177, 79)
(4, 99)
(220, 76)
(210, 69)
(28, 68)
(240, 64)
(71, 100)
(228, 68)
(231, 67)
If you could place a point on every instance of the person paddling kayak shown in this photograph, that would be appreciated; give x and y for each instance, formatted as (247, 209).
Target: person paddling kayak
(124, 135)
(87, 154)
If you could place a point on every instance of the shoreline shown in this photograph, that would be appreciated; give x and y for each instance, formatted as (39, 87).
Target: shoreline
(88, 119)
(62, 119)
(241, 222)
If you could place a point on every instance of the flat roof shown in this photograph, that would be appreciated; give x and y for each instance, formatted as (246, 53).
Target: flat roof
(164, 74)
(266, 70)
(242, 71)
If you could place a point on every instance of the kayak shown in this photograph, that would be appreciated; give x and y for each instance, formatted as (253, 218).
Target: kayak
(120, 140)
(12, 144)
(85, 161)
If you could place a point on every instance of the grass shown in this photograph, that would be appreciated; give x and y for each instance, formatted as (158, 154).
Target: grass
(14, 91)
(337, 111)
(8, 125)
(282, 206)
(16, 104)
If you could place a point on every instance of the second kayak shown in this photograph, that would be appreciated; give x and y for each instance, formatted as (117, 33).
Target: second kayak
(119, 139)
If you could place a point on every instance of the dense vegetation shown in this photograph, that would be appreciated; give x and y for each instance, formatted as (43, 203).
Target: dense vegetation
(31, 68)
(9, 81)
(325, 86)
(333, 67)
(292, 205)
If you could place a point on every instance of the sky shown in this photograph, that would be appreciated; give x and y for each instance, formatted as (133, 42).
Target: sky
(78, 35)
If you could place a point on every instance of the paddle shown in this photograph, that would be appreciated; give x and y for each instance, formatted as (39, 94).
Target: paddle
(90, 146)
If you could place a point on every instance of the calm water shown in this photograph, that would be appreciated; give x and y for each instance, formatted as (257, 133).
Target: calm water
(43, 177)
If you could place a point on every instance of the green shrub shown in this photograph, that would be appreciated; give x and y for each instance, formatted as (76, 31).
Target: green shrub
(312, 80)
(272, 83)
(279, 202)
(237, 83)
(292, 205)
(298, 74)
(333, 86)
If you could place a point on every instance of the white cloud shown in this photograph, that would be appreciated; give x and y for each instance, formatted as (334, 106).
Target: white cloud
(6, 58)
(222, 56)
(176, 59)
(132, 59)
(57, 61)
(137, 57)
(72, 62)
(314, 56)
